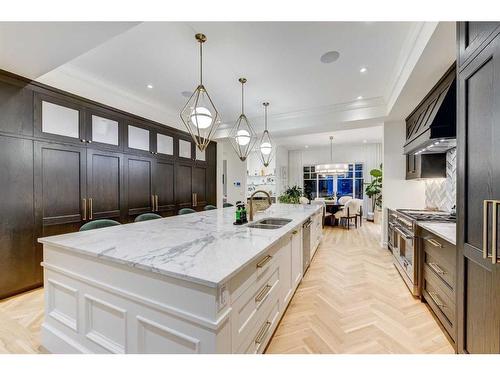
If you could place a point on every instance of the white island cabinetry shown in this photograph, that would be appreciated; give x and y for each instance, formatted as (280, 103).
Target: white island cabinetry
(163, 287)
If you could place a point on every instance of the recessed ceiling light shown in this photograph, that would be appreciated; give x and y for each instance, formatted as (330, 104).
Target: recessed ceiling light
(360, 97)
(365, 141)
(329, 57)
(306, 146)
(186, 94)
(149, 86)
(363, 70)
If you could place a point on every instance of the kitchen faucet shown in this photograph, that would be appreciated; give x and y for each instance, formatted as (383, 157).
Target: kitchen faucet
(251, 201)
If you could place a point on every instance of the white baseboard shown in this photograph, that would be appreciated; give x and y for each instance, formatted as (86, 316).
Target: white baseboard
(54, 341)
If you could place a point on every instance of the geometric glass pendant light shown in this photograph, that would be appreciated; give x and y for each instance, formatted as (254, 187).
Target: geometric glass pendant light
(199, 115)
(332, 168)
(242, 136)
(266, 144)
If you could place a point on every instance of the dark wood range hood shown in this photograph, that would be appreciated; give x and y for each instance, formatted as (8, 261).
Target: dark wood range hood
(431, 130)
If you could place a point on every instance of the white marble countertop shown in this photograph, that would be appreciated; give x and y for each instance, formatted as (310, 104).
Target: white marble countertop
(447, 231)
(204, 247)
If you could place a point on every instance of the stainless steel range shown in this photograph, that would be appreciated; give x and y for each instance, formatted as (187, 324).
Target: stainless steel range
(404, 244)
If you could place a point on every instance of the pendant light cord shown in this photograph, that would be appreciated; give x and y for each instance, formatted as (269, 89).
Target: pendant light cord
(242, 99)
(201, 63)
(265, 122)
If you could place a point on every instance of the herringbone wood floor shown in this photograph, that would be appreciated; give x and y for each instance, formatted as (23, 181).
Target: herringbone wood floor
(351, 300)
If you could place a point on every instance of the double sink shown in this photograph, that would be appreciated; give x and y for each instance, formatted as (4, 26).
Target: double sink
(269, 223)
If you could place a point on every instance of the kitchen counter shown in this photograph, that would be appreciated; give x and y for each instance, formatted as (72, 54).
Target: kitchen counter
(204, 247)
(193, 283)
(447, 231)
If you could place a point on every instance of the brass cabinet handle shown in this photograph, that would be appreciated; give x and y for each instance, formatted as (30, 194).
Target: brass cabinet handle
(156, 201)
(91, 214)
(196, 199)
(494, 205)
(262, 332)
(436, 300)
(436, 268)
(264, 261)
(295, 232)
(192, 199)
(485, 229)
(152, 202)
(263, 293)
(84, 209)
(434, 243)
(494, 234)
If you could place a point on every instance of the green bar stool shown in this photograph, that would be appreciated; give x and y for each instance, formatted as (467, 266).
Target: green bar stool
(148, 216)
(227, 205)
(209, 207)
(185, 211)
(96, 224)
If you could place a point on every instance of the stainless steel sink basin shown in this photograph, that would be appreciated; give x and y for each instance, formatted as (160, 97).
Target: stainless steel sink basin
(270, 223)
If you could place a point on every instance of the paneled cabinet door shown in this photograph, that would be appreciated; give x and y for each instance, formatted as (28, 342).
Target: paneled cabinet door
(472, 37)
(104, 184)
(296, 257)
(139, 185)
(164, 188)
(104, 129)
(479, 180)
(199, 187)
(19, 259)
(183, 186)
(285, 255)
(60, 188)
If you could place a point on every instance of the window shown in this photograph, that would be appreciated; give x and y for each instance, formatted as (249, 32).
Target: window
(350, 183)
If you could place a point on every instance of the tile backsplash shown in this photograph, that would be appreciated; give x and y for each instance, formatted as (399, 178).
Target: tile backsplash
(441, 193)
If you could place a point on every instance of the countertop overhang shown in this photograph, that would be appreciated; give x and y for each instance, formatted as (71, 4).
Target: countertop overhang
(204, 248)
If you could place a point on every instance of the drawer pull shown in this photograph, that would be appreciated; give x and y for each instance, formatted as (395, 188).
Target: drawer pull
(263, 293)
(434, 243)
(437, 269)
(436, 300)
(262, 333)
(264, 261)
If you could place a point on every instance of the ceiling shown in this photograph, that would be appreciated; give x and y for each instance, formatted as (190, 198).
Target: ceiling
(373, 134)
(113, 62)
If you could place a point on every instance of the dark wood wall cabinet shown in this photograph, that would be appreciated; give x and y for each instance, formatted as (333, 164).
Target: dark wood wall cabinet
(66, 160)
(478, 172)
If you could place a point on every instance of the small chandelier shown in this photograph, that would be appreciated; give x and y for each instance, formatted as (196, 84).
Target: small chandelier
(242, 136)
(199, 115)
(333, 168)
(266, 145)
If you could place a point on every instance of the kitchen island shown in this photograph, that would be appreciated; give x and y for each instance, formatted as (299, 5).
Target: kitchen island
(186, 284)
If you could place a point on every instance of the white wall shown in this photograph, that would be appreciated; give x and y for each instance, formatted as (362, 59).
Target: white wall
(369, 154)
(236, 172)
(282, 170)
(397, 191)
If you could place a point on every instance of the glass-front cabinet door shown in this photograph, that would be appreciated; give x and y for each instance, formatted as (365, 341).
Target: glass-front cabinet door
(185, 149)
(58, 119)
(104, 129)
(164, 145)
(138, 139)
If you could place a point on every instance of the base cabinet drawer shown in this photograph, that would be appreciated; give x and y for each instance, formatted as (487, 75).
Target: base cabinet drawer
(257, 342)
(441, 299)
(441, 257)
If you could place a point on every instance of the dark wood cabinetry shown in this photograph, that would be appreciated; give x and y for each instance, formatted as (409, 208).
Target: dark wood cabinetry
(74, 163)
(478, 172)
(19, 259)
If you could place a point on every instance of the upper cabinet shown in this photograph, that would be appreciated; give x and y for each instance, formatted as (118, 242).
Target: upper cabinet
(59, 119)
(473, 37)
(164, 144)
(185, 149)
(138, 138)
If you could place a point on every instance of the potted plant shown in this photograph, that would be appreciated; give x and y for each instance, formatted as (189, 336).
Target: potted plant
(374, 191)
(291, 195)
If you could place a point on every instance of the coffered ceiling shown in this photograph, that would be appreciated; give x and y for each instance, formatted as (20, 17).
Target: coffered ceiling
(281, 60)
